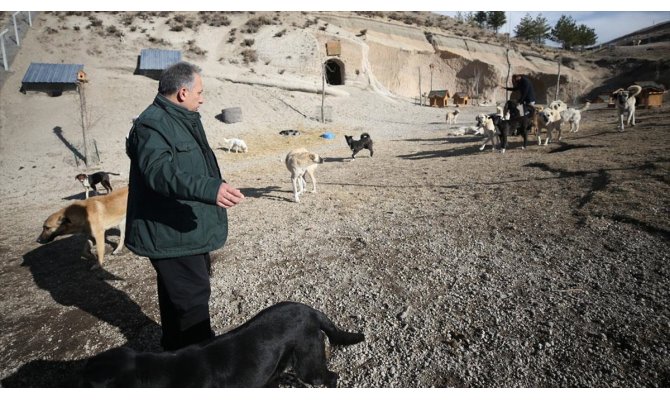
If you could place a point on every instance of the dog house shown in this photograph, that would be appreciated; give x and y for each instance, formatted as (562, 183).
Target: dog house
(651, 94)
(461, 98)
(152, 62)
(438, 98)
(53, 78)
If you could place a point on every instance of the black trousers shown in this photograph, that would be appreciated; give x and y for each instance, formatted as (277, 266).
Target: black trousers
(183, 298)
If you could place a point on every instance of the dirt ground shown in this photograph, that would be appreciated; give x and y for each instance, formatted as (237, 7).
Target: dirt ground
(544, 267)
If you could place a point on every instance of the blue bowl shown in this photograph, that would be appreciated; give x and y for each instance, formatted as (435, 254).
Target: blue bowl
(328, 135)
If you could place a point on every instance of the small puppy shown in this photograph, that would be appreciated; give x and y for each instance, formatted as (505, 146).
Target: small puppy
(253, 355)
(300, 162)
(625, 104)
(485, 122)
(365, 142)
(236, 145)
(91, 217)
(552, 120)
(89, 181)
(452, 115)
(573, 116)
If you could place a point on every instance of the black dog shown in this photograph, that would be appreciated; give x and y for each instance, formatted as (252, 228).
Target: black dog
(252, 355)
(516, 124)
(89, 181)
(365, 142)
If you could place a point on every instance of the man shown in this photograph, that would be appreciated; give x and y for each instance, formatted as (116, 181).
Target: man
(177, 203)
(524, 86)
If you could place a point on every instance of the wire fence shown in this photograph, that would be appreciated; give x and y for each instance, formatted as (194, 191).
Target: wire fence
(12, 31)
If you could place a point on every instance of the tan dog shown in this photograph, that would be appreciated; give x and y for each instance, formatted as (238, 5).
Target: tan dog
(551, 118)
(452, 116)
(300, 162)
(91, 217)
(625, 104)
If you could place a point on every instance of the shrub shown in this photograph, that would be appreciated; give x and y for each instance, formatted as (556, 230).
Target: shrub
(249, 56)
(248, 42)
(280, 33)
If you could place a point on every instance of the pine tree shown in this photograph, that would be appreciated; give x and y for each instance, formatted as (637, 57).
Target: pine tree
(496, 19)
(565, 32)
(480, 18)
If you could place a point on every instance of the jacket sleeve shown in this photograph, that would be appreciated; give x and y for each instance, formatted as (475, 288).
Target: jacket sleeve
(154, 157)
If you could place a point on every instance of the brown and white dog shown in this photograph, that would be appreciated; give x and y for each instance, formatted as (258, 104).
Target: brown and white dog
(89, 181)
(91, 217)
(625, 104)
(300, 162)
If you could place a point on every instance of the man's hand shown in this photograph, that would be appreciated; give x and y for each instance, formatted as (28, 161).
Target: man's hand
(228, 196)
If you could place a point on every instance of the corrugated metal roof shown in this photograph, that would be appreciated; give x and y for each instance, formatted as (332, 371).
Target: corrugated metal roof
(438, 93)
(158, 59)
(52, 73)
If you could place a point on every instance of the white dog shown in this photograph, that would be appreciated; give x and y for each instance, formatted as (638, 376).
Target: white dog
(551, 119)
(625, 104)
(300, 162)
(558, 105)
(236, 145)
(573, 116)
(452, 115)
(485, 122)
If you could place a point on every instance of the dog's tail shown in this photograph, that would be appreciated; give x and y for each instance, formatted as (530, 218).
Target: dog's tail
(634, 90)
(586, 106)
(364, 135)
(113, 173)
(337, 336)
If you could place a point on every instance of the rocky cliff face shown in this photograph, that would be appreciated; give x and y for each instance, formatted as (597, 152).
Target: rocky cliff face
(399, 58)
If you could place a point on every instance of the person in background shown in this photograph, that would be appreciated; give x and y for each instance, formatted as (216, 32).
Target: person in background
(177, 204)
(524, 86)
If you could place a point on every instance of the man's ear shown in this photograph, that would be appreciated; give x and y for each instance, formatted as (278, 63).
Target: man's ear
(181, 93)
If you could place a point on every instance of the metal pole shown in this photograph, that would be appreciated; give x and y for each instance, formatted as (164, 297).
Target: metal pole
(30, 19)
(16, 29)
(2, 44)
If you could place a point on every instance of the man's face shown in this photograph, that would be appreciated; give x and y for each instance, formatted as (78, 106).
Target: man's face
(191, 99)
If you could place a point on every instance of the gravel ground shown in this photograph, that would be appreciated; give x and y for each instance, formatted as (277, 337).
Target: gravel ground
(544, 267)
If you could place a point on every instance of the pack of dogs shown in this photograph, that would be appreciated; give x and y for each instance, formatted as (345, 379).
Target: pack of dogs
(287, 334)
(509, 121)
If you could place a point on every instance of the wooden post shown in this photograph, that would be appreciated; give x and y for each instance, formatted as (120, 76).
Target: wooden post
(420, 93)
(558, 78)
(2, 44)
(82, 105)
(323, 90)
(509, 68)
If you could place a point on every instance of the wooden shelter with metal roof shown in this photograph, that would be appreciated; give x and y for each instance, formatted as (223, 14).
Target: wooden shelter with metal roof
(152, 62)
(53, 78)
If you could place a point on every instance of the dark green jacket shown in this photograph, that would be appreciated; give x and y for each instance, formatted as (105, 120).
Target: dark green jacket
(174, 179)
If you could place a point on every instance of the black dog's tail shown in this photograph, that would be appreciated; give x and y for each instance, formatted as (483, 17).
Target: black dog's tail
(113, 173)
(337, 336)
(364, 135)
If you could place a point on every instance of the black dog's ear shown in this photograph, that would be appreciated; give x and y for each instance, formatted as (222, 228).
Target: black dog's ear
(64, 220)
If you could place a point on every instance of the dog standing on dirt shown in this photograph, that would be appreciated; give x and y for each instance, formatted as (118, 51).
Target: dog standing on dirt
(91, 217)
(486, 122)
(365, 142)
(253, 355)
(625, 104)
(300, 162)
(89, 181)
(573, 116)
(452, 116)
(552, 120)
